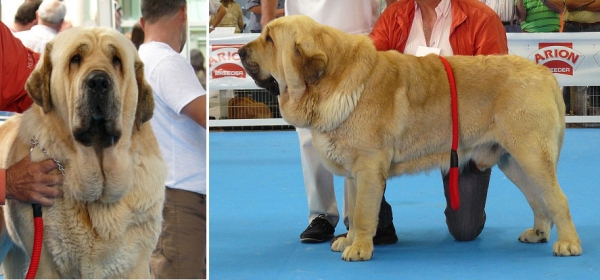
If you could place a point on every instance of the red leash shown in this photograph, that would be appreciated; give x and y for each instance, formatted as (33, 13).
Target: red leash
(454, 196)
(37, 241)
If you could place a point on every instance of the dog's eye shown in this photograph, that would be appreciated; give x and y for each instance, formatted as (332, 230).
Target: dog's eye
(76, 59)
(116, 60)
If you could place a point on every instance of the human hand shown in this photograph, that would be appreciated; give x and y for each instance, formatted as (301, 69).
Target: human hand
(30, 182)
(279, 13)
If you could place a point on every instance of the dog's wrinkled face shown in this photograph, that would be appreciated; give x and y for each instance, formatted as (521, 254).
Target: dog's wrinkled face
(288, 55)
(93, 79)
(253, 57)
(289, 59)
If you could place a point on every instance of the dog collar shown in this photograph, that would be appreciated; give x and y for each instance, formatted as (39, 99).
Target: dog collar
(34, 142)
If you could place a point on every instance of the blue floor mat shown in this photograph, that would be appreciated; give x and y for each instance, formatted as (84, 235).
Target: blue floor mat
(258, 208)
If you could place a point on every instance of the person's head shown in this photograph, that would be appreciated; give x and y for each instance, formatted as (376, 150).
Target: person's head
(137, 35)
(197, 60)
(172, 13)
(52, 13)
(25, 17)
(226, 2)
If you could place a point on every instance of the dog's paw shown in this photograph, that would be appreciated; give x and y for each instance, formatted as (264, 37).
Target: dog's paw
(358, 252)
(340, 244)
(567, 248)
(534, 236)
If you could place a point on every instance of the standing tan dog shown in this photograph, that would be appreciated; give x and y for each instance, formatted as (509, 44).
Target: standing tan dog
(374, 115)
(91, 110)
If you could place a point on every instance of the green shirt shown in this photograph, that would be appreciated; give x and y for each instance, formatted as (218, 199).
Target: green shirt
(539, 18)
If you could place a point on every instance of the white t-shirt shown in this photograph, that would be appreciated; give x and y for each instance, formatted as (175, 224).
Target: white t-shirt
(182, 141)
(37, 37)
(351, 16)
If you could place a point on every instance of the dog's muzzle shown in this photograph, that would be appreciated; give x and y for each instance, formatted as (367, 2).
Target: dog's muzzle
(253, 69)
(98, 112)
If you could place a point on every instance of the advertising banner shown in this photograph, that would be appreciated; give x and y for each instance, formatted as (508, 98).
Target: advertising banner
(574, 58)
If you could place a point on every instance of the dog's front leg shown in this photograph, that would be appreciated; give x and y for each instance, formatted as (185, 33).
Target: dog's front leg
(340, 244)
(363, 222)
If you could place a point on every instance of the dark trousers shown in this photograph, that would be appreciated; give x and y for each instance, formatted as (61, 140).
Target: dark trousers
(467, 222)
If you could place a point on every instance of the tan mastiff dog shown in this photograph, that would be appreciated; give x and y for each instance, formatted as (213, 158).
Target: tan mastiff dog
(374, 115)
(91, 110)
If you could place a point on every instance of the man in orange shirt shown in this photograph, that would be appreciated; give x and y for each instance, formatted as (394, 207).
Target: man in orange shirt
(25, 181)
(448, 27)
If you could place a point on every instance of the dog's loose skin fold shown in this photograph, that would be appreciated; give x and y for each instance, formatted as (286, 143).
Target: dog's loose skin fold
(374, 115)
(108, 222)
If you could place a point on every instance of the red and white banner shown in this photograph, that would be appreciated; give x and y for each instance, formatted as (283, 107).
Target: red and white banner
(224, 65)
(574, 58)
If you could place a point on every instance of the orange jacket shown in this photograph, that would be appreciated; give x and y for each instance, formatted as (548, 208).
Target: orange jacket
(17, 62)
(476, 29)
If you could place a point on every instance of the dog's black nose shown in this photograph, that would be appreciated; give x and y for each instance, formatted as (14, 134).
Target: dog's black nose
(243, 52)
(98, 82)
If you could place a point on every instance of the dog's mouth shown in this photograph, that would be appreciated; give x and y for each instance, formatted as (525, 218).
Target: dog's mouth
(98, 132)
(269, 84)
(253, 69)
(97, 112)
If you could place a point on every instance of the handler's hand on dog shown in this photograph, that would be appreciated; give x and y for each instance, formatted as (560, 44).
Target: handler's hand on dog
(31, 182)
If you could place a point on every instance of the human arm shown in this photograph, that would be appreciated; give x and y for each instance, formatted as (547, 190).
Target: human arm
(256, 9)
(557, 6)
(196, 110)
(586, 5)
(241, 24)
(178, 88)
(268, 10)
(279, 13)
(388, 33)
(220, 14)
(521, 12)
(490, 38)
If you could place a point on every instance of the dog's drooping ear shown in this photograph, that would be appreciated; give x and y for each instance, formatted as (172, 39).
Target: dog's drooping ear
(314, 62)
(38, 83)
(305, 67)
(145, 105)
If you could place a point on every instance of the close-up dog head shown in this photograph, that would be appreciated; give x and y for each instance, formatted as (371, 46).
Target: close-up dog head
(92, 78)
(304, 62)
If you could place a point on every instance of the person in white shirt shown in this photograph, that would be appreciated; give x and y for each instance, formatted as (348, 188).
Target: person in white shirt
(50, 16)
(179, 123)
(351, 16)
(507, 11)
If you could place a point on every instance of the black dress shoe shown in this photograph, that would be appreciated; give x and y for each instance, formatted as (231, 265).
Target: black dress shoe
(382, 236)
(319, 230)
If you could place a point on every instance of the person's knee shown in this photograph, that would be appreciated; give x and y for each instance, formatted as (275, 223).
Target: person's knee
(465, 229)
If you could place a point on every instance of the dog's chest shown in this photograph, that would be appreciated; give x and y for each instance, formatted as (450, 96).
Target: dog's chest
(74, 240)
(334, 152)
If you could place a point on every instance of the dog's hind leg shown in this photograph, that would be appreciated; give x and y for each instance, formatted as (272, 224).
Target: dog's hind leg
(542, 221)
(535, 174)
